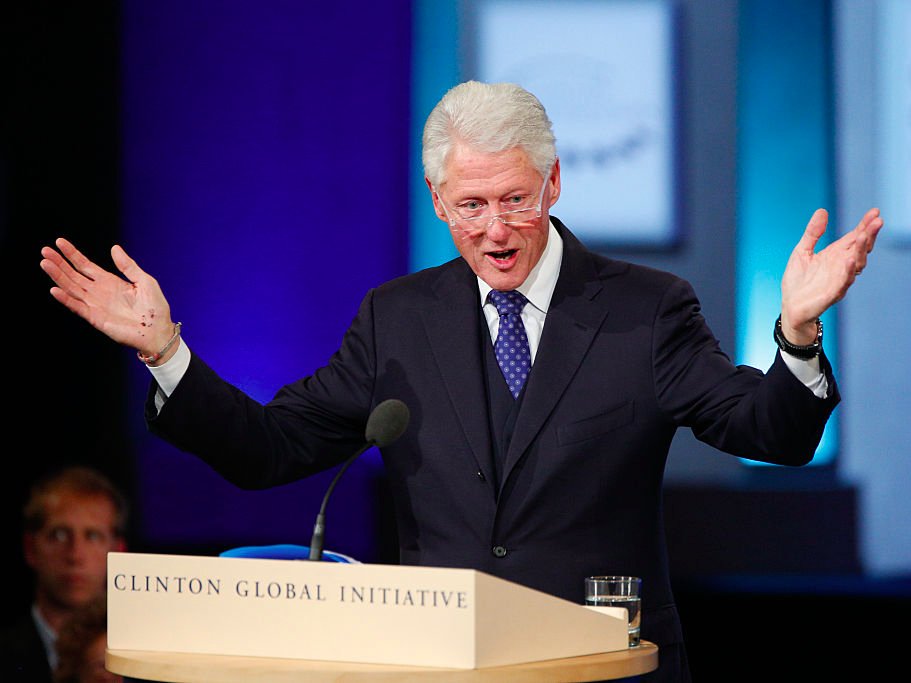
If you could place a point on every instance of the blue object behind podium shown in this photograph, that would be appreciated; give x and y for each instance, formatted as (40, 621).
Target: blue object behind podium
(284, 551)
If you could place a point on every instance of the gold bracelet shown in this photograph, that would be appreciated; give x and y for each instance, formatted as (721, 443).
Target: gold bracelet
(148, 360)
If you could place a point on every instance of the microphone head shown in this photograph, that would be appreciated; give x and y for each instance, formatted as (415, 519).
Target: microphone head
(387, 422)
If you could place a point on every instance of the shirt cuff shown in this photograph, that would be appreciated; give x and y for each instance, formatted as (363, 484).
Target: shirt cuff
(169, 374)
(808, 372)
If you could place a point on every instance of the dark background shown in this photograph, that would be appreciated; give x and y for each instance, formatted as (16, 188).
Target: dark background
(59, 161)
(772, 583)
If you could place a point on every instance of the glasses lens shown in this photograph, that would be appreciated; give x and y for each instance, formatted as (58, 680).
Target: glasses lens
(479, 224)
(518, 216)
(471, 218)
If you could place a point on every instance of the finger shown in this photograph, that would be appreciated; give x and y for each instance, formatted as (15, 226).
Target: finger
(125, 264)
(72, 303)
(870, 216)
(868, 221)
(872, 231)
(61, 272)
(80, 262)
(865, 238)
(859, 261)
(53, 257)
(851, 271)
(814, 230)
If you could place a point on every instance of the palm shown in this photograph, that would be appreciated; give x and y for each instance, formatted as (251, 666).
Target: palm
(813, 282)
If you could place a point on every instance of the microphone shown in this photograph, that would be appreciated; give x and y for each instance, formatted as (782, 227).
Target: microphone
(386, 423)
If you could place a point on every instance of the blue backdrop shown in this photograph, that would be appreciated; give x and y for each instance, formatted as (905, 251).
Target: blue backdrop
(265, 158)
(271, 175)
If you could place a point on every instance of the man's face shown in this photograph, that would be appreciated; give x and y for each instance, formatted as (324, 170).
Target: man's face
(69, 554)
(502, 255)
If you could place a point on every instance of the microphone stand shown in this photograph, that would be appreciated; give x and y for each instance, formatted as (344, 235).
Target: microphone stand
(319, 527)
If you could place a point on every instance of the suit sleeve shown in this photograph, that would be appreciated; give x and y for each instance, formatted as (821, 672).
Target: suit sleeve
(308, 426)
(770, 417)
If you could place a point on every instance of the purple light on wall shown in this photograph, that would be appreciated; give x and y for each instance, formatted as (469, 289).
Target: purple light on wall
(265, 186)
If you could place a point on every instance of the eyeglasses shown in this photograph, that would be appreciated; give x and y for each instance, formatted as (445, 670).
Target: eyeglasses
(470, 219)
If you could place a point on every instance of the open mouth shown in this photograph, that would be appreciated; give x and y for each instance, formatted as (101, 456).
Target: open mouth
(504, 255)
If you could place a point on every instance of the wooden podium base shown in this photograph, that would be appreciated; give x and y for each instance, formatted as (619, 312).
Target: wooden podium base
(176, 667)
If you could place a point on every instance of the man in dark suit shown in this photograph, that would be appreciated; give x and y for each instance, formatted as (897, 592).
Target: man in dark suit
(539, 462)
(72, 519)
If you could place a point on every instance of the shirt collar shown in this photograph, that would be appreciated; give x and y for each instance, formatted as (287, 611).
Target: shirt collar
(539, 286)
(48, 636)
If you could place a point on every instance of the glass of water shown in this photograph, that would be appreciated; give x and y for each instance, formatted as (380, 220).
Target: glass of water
(618, 591)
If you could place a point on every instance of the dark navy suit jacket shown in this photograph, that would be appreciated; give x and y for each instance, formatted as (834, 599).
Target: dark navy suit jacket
(625, 359)
(22, 655)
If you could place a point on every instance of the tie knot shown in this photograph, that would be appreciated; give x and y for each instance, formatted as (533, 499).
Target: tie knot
(511, 301)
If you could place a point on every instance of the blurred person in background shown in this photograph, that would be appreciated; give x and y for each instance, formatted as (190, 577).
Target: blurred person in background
(72, 519)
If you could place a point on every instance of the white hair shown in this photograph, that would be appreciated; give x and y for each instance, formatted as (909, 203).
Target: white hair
(488, 117)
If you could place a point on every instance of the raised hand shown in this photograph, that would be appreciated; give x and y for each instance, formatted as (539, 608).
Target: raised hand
(813, 282)
(131, 310)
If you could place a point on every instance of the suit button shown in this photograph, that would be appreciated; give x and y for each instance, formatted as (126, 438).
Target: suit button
(480, 475)
(499, 551)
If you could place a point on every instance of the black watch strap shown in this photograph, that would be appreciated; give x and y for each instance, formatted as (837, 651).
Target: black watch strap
(805, 352)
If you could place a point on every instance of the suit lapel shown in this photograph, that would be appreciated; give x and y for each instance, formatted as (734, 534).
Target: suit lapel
(453, 328)
(575, 315)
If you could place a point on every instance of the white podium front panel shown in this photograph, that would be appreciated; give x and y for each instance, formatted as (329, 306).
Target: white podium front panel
(370, 613)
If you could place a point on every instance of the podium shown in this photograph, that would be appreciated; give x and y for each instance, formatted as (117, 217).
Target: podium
(172, 615)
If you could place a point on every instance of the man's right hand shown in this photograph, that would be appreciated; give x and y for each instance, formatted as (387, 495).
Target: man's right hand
(132, 311)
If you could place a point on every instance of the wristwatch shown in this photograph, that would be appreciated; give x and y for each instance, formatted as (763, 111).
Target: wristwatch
(805, 352)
